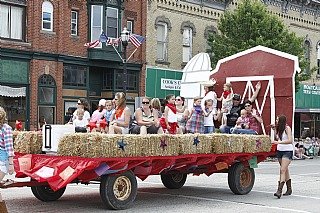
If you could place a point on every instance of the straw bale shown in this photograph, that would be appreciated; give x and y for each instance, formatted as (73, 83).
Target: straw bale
(152, 145)
(128, 142)
(227, 143)
(203, 145)
(256, 143)
(28, 142)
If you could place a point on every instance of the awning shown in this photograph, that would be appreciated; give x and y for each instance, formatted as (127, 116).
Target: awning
(12, 91)
(307, 110)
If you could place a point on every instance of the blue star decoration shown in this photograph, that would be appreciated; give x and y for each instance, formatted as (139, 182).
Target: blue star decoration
(163, 143)
(196, 141)
(258, 144)
(122, 144)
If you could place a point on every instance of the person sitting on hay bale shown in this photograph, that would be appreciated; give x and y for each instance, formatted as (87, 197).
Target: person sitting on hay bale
(242, 122)
(6, 153)
(82, 104)
(107, 116)
(98, 114)
(146, 119)
(120, 120)
(169, 121)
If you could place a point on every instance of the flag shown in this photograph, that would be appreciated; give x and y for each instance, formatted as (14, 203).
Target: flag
(103, 37)
(92, 44)
(114, 41)
(136, 40)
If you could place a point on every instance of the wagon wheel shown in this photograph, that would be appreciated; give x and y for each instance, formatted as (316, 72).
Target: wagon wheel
(240, 179)
(174, 180)
(46, 194)
(118, 191)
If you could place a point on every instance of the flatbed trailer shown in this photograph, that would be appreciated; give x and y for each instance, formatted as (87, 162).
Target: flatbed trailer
(49, 175)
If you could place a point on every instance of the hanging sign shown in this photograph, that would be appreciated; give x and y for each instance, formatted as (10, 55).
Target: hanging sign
(170, 84)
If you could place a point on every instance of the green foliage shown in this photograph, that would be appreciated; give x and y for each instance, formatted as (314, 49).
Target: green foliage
(249, 25)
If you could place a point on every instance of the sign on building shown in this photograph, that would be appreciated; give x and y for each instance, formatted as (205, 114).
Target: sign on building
(170, 84)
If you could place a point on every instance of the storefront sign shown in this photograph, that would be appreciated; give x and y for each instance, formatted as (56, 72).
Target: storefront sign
(170, 84)
(311, 90)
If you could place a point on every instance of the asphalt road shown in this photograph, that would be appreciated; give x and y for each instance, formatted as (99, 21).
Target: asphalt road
(200, 194)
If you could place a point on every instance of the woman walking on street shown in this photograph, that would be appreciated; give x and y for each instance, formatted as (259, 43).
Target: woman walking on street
(284, 153)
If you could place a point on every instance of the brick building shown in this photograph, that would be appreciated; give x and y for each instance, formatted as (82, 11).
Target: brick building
(44, 66)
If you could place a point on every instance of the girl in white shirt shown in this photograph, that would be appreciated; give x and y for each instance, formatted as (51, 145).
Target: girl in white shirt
(284, 153)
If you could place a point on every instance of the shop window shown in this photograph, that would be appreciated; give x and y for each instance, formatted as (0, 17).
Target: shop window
(46, 99)
(74, 75)
(15, 108)
(74, 22)
(108, 80)
(47, 16)
(132, 80)
(12, 24)
(69, 108)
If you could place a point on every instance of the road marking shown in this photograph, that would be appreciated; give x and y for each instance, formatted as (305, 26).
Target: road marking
(227, 201)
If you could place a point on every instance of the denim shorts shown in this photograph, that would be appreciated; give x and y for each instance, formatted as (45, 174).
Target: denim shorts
(285, 154)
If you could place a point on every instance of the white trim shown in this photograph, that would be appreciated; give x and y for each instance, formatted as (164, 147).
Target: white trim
(75, 21)
(47, 7)
(260, 48)
(250, 89)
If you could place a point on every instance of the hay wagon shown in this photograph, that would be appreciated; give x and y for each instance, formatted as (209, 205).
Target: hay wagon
(124, 158)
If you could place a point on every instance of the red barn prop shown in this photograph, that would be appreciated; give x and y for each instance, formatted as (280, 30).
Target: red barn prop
(274, 69)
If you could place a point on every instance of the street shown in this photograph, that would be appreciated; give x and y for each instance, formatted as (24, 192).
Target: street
(202, 193)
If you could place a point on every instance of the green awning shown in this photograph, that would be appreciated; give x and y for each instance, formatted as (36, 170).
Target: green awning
(308, 98)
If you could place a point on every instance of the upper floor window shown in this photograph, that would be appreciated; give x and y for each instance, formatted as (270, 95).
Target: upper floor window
(187, 44)
(162, 33)
(12, 22)
(130, 26)
(307, 51)
(74, 75)
(112, 22)
(318, 58)
(74, 22)
(47, 16)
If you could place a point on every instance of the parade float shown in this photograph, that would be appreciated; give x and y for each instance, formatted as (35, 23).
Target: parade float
(53, 160)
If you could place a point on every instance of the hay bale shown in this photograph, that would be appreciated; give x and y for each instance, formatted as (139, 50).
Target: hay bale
(158, 145)
(196, 143)
(256, 143)
(227, 143)
(28, 142)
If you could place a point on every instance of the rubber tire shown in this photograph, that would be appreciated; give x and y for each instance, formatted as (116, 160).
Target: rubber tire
(234, 179)
(172, 182)
(46, 194)
(107, 194)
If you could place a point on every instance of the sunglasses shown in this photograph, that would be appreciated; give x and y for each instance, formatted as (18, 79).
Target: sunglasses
(247, 105)
(178, 99)
(145, 102)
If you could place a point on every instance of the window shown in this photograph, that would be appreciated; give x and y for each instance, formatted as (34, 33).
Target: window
(96, 21)
(74, 75)
(162, 41)
(130, 26)
(47, 16)
(112, 22)
(132, 80)
(307, 50)
(47, 90)
(12, 22)
(74, 22)
(187, 44)
(108, 80)
(318, 59)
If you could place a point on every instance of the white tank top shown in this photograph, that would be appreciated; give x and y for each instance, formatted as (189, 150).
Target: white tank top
(172, 117)
(285, 147)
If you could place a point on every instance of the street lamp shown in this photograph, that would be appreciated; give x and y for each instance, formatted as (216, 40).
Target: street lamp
(124, 39)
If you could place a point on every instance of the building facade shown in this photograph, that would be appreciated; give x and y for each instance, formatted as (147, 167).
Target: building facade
(44, 65)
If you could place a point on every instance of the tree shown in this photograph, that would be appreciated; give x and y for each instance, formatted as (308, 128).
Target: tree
(249, 25)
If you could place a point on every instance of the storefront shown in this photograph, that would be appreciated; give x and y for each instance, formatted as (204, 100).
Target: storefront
(14, 90)
(161, 82)
(307, 112)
